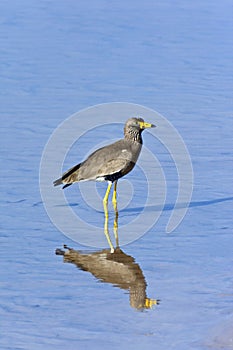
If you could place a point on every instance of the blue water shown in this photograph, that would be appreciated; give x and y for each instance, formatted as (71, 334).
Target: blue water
(174, 57)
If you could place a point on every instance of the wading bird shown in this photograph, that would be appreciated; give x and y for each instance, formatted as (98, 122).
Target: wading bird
(109, 163)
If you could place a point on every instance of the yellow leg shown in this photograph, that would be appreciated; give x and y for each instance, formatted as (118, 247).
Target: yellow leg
(105, 204)
(114, 196)
(105, 200)
(114, 202)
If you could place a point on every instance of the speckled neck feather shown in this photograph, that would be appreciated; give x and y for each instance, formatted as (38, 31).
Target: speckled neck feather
(133, 134)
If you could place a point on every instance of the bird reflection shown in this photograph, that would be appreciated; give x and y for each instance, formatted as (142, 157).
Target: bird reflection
(116, 268)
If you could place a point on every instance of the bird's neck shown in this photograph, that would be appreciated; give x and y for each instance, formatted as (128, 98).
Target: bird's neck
(134, 136)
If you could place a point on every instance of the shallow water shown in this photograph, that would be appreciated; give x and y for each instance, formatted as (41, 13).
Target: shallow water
(173, 57)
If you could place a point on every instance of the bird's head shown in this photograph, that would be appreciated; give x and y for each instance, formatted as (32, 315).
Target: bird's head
(138, 124)
(134, 127)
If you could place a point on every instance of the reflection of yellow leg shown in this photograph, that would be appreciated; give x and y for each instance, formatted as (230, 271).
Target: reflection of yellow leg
(114, 202)
(105, 204)
(115, 228)
(106, 231)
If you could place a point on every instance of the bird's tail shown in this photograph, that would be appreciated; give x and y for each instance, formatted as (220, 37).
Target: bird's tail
(60, 182)
(57, 182)
(66, 177)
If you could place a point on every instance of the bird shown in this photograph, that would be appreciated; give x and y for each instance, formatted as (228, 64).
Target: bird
(109, 163)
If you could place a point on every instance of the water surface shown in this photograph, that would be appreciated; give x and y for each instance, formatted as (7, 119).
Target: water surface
(174, 57)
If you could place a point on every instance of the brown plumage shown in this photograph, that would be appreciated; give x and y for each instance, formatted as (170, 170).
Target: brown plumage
(118, 268)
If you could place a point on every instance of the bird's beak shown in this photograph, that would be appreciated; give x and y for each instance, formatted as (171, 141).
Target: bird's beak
(150, 302)
(144, 125)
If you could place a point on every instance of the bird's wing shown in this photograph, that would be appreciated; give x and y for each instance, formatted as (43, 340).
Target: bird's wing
(113, 166)
(105, 161)
(117, 157)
